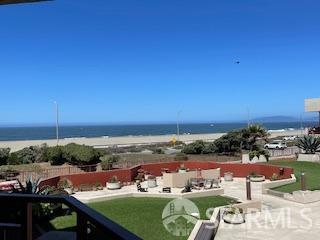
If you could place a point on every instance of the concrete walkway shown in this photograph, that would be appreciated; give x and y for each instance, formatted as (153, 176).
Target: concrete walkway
(279, 219)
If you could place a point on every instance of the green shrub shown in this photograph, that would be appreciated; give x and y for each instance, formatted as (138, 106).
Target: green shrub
(80, 154)
(274, 177)
(64, 183)
(253, 154)
(194, 148)
(158, 151)
(4, 155)
(309, 144)
(181, 157)
(14, 159)
(229, 143)
(55, 155)
(114, 179)
(32, 154)
(108, 161)
(209, 148)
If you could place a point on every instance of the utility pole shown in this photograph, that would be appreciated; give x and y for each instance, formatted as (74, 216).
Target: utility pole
(248, 117)
(57, 121)
(178, 125)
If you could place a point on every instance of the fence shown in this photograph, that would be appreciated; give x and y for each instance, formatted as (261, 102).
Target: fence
(284, 152)
(57, 171)
(69, 170)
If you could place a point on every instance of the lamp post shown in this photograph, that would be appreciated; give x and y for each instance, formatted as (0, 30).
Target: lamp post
(57, 121)
(248, 187)
(178, 125)
(248, 117)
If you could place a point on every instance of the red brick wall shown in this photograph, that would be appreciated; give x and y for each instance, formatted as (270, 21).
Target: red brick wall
(127, 175)
(50, 182)
(124, 175)
(155, 168)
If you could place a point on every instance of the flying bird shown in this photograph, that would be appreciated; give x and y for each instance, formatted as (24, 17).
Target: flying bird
(237, 62)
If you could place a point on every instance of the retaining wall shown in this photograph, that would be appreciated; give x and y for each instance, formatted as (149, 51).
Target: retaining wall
(128, 174)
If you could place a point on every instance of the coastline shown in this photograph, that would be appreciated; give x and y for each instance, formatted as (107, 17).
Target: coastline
(100, 142)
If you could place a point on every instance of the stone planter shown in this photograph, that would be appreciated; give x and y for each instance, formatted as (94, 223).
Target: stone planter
(309, 157)
(257, 178)
(234, 218)
(228, 176)
(152, 183)
(233, 215)
(113, 186)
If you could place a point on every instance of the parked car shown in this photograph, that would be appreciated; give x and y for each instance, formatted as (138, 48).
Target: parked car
(276, 145)
(314, 130)
(290, 138)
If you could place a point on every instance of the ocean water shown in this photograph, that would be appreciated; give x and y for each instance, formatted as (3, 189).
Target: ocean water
(38, 133)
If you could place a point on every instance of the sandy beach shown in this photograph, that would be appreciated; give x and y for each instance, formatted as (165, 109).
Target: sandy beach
(127, 140)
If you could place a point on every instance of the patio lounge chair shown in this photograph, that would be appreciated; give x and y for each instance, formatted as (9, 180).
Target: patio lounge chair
(211, 183)
(141, 189)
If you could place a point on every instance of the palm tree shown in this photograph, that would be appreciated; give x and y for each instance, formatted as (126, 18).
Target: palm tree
(251, 135)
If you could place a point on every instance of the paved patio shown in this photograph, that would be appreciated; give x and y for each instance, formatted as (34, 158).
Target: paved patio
(131, 191)
(279, 219)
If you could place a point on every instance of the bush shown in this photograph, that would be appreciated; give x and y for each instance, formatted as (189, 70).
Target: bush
(196, 147)
(4, 155)
(32, 154)
(114, 179)
(158, 151)
(229, 143)
(55, 155)
(274, 177)
(309, 144)
(64, 183)
(108, 161)
(209, 148)
(258, 153)
(14, 159)
(80, 154)
(181, 157)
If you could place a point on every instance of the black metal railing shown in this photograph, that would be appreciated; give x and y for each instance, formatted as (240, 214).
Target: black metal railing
(4, 2)
(85, 216)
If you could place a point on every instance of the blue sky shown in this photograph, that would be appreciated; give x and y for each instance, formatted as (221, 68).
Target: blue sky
(120, 61)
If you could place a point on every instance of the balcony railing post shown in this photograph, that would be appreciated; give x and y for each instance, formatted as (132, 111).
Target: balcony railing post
(26, 231)
(82, 226)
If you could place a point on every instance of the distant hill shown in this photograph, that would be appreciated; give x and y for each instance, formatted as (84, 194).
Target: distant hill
(275, 119)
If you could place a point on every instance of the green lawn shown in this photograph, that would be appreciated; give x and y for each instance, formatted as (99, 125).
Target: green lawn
(312, 171)
(141, 216)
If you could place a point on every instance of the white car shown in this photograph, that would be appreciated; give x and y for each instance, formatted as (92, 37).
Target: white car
(290, 138)
(276, 145)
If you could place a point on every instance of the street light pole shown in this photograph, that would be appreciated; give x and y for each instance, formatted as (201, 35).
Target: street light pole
(248, 117)
(178, 125)
(57, 122)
